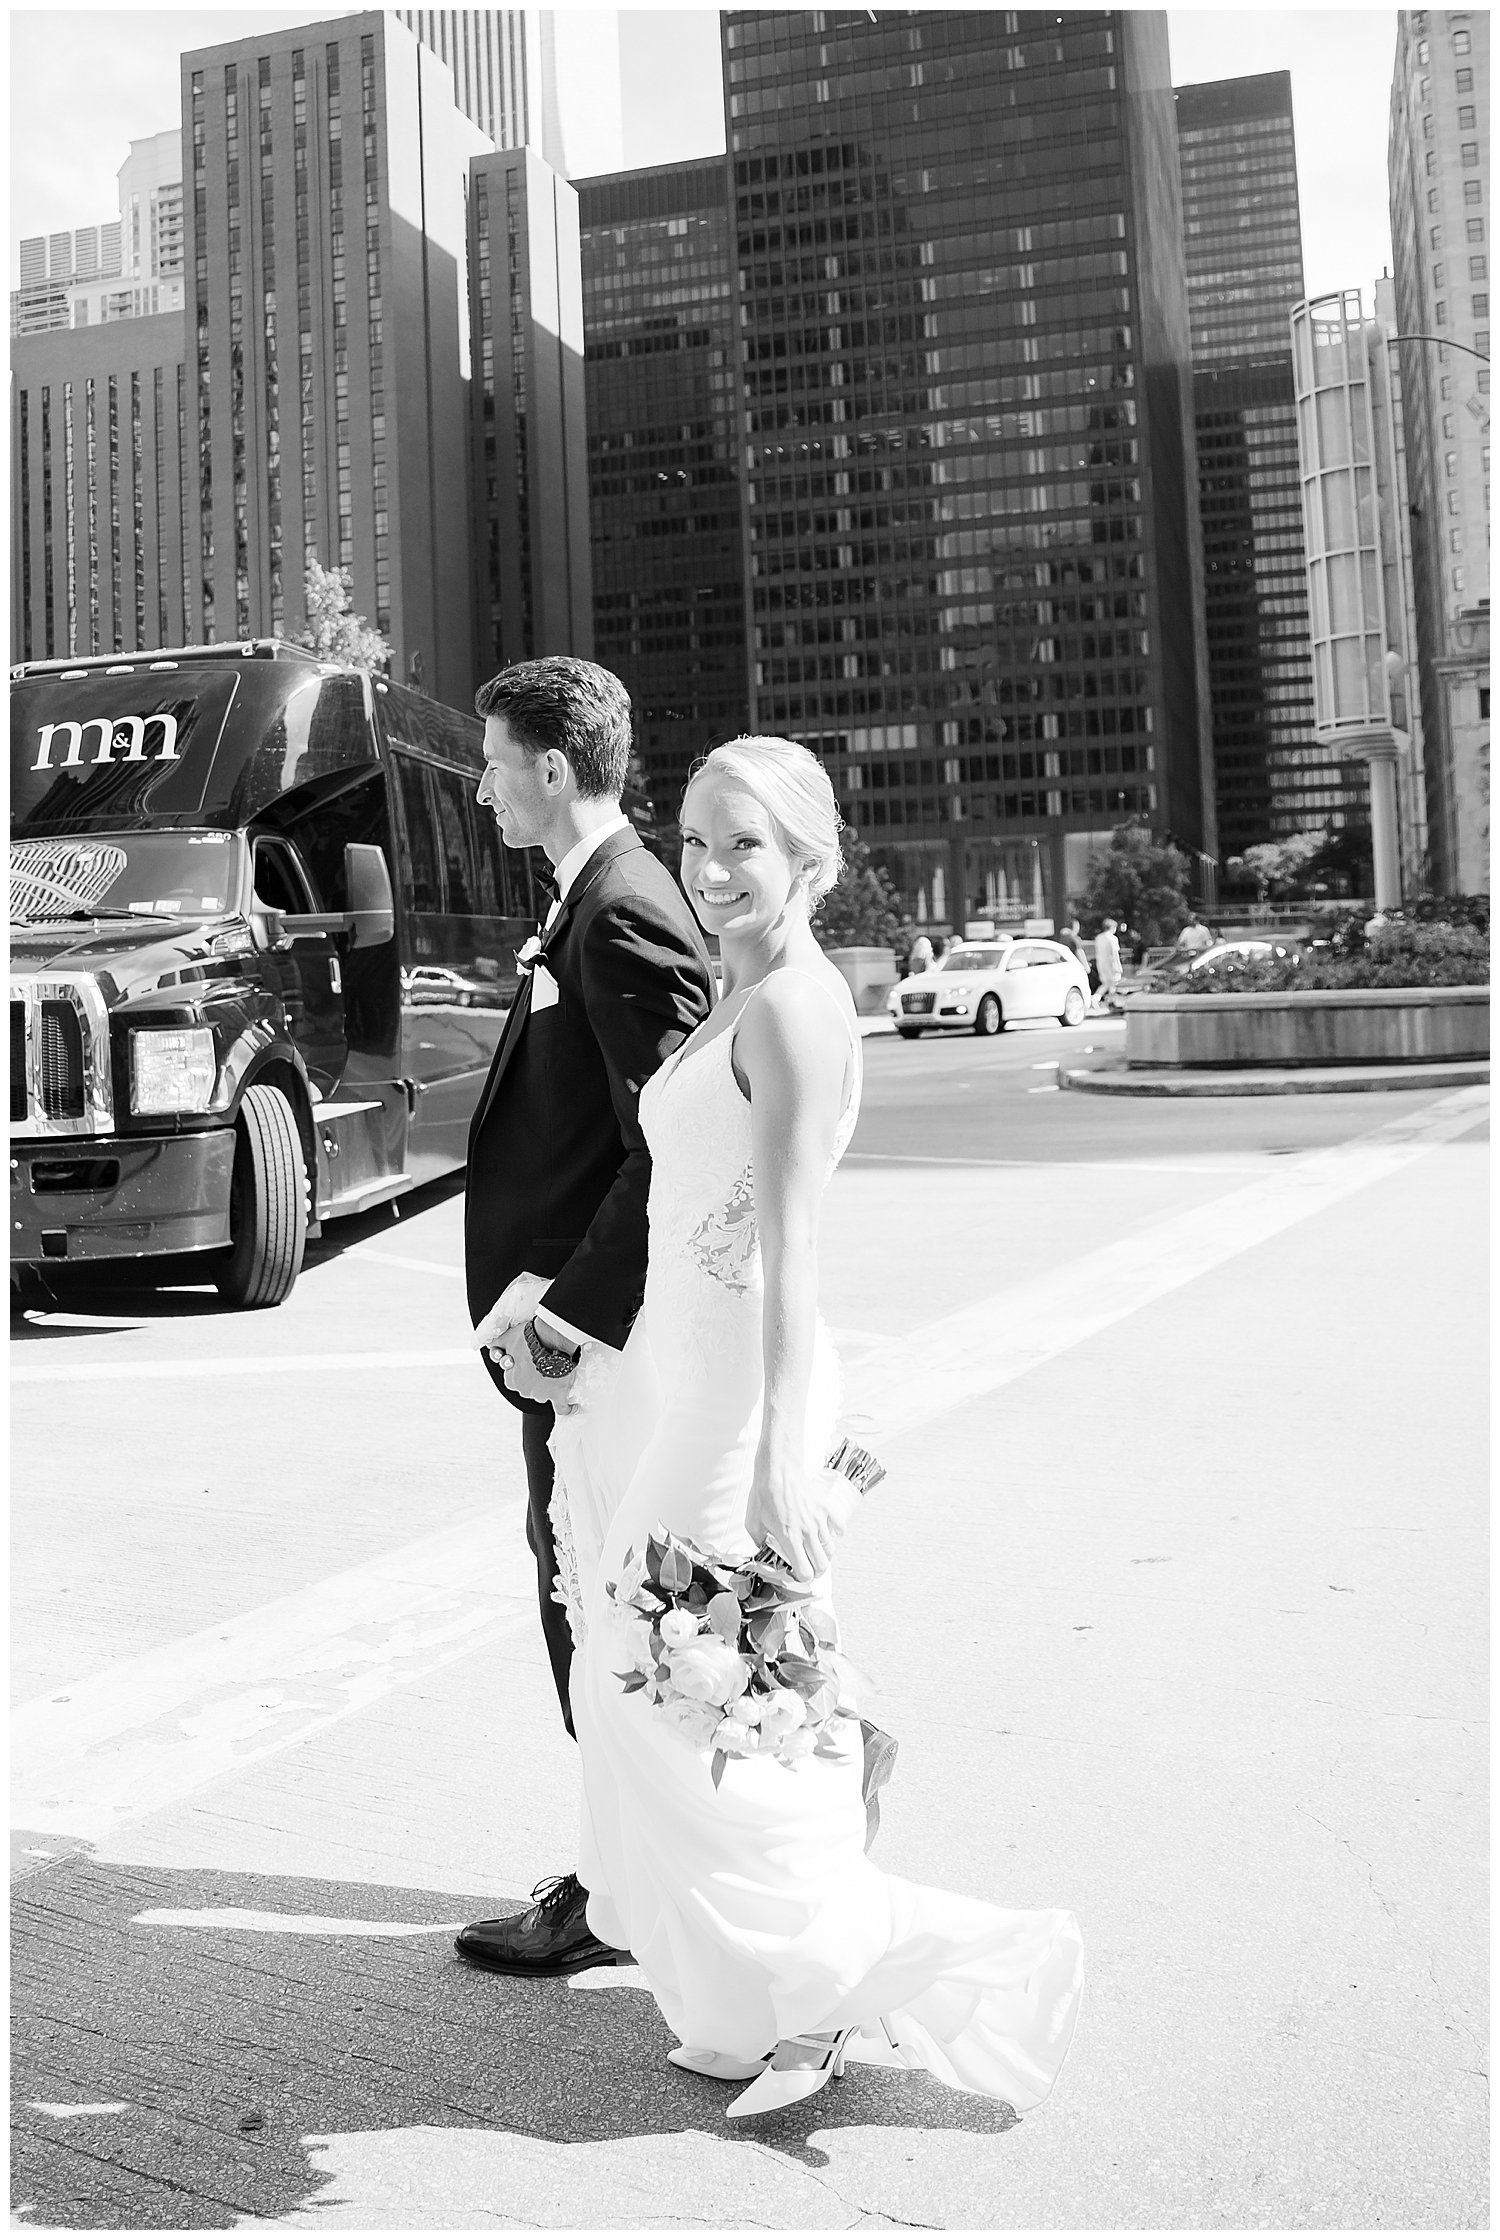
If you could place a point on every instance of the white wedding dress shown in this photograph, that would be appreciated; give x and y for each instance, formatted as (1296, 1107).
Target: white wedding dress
(752, 1908)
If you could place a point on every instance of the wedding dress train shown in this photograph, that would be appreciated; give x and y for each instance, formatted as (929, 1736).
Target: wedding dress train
(751, 1907)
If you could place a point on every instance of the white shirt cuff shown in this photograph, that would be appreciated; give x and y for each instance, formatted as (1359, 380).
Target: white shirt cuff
(569, 1330)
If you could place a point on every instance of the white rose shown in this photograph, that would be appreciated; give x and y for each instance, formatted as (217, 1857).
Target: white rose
(708, 1670)
(731, 1736)
(799, 1744)
(678, 1627)
(781, 1714)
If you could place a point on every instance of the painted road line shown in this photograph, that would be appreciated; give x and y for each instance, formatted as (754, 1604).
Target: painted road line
(997, 1340)
(286, 1924)
(88, 1757)
(1062, 1166)
(244, 1365)
(398, 1260)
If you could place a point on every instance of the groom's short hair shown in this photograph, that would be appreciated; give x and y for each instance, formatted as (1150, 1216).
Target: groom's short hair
(574, 706)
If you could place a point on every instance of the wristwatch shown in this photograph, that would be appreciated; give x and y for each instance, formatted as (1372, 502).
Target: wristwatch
(549, 1361)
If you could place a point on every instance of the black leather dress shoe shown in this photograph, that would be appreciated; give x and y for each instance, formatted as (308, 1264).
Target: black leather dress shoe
(551, 1938)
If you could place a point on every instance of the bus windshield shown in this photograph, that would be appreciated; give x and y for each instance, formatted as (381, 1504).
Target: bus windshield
(126, 875)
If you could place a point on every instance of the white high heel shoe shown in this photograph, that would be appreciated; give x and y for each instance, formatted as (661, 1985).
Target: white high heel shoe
(798, 2068)
(704, 2062)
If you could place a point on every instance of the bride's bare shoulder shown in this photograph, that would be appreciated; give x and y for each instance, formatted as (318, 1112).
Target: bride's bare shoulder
(790, 1016)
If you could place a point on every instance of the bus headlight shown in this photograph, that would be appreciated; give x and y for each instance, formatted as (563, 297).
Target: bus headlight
(171, 1069)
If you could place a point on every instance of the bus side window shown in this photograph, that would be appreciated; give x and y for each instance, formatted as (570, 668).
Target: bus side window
(494, 894)
(420, 837)
(450, 791)
(360, 813)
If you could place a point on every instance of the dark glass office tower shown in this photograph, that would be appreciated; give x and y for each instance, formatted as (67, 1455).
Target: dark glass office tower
(1242, 233)
(973, 544)
(664, 488)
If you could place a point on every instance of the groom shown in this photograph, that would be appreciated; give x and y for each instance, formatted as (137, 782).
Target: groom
(555, 1208)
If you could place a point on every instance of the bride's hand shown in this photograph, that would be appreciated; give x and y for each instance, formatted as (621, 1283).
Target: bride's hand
(792, 1511)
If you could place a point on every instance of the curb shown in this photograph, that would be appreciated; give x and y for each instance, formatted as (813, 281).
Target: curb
(1116, 1079)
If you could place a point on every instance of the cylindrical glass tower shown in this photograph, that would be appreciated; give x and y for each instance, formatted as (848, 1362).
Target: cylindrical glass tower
(1335, 439)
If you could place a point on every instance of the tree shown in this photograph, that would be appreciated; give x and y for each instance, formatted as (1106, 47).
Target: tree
(1141, 882)
(1278, 865)
(333, 633)
(863, 910)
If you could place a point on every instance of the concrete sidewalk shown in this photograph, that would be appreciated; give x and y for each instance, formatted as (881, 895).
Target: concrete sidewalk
(1174, 1597)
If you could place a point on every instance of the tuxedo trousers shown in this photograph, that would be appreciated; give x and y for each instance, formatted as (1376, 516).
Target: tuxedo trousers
(536, 1430)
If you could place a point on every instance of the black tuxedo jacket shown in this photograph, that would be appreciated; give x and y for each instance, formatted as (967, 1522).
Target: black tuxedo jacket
(558, 1167)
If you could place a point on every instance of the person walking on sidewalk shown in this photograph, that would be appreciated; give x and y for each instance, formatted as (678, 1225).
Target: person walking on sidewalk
(1106, 964)
(555, 1206)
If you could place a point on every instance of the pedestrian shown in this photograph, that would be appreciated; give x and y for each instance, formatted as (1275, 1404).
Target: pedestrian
(1107, 964)
(919, 956)
(1195, 936)
(1071, 938)
(764, 1934)
(618, 979)
(940, 947)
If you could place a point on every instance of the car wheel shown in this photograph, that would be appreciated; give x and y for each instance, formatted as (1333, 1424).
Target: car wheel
(989, 1018)
(267, 1203)
(908, 1034)
(1074, 1008)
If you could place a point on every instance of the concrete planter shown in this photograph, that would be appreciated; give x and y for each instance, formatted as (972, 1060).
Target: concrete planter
(1311, 1027)
(871, 974)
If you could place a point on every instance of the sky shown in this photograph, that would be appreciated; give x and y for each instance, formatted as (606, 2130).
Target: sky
(116, 71)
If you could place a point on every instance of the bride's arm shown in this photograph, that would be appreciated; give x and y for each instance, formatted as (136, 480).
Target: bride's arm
(794, 1071)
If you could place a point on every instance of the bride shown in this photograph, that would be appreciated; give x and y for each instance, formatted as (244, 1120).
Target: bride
(765, 1934)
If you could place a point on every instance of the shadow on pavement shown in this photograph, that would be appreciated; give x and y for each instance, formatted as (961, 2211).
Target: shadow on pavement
(191, 2076)
(181, 1287)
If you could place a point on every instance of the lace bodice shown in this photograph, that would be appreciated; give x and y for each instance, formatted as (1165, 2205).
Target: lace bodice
(696, 1120)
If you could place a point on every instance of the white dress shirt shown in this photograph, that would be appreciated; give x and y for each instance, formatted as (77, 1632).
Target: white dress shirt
(567, 873)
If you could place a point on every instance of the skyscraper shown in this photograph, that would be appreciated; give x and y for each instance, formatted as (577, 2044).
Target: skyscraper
(1439, 186)
(326, 396)
(974, 557)
(131, 268)
(103, 512)
(659, 311)
(1242, 238)
(328, 317)
(503, 74)
(529, 433)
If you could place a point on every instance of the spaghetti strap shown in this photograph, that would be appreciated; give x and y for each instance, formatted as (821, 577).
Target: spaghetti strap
(818, 982)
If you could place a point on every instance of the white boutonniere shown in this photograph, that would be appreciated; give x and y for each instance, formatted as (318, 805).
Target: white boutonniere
(527, 954)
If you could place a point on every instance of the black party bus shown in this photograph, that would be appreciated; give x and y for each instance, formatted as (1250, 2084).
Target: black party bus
(262, 948)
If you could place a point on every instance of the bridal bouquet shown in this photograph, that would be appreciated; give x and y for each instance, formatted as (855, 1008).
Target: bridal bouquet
(742, 1657)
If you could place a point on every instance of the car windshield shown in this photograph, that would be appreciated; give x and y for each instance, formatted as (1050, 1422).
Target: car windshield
(125, 875)
(971, 960)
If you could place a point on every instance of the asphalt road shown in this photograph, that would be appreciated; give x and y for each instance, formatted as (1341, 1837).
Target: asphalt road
(1174, 1598)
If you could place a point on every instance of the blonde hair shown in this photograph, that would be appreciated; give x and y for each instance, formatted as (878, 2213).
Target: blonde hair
(794, 789)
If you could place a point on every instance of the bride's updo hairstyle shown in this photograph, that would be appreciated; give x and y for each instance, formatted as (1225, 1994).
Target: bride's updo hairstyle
(793, 788)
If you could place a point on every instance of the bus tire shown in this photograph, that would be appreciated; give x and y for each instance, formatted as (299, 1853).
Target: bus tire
(267, 1203)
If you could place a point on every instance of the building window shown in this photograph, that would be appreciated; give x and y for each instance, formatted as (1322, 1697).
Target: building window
(1432, 198)
(1460, 42)
(1464, 82)
(1440, 314)
(1439, 276)
(1480, 306)
(1427, 128)
(1435, 238)
(1473, 190)
(1469, 153)
(1474, 228)
(1466, 116)
(1429, 165)
(1455, 540)
(1453, 501)
(1478, 270)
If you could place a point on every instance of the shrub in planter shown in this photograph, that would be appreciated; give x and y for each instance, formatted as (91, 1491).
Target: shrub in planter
(1398, 954)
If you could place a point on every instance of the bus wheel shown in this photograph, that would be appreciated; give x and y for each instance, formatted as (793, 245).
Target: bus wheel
(267, 1203)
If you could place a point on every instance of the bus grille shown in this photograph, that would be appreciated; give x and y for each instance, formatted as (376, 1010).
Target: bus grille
(62, 1062)
(17, 1062)
(59, 1058)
